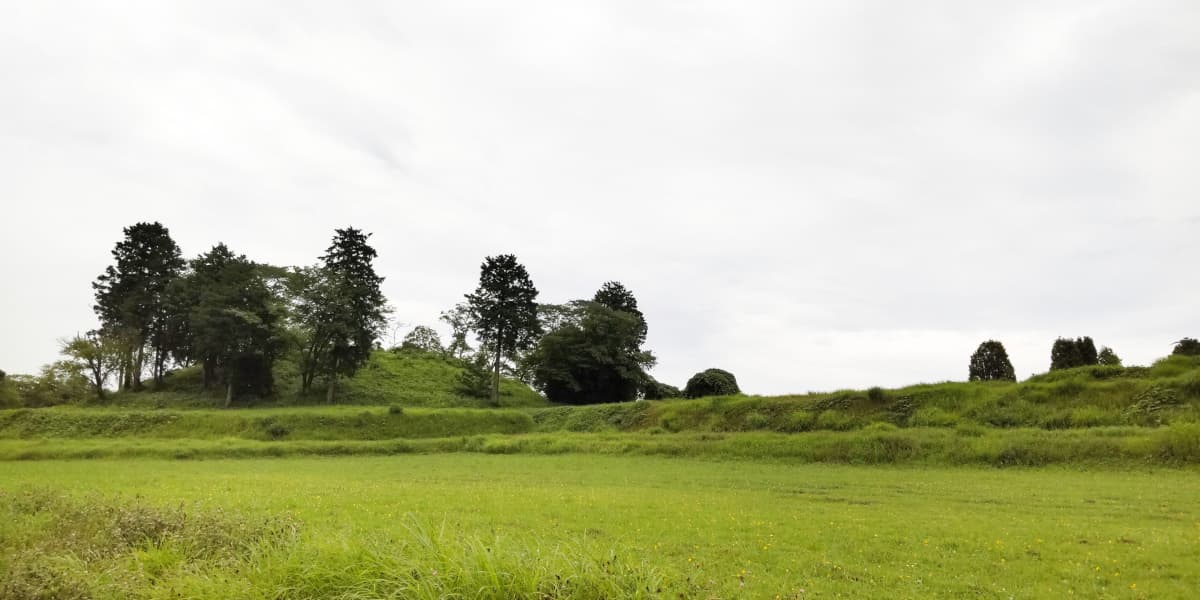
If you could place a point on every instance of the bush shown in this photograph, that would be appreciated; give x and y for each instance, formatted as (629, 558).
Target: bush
(711, 382)
(757, 420)
(395, 409)
(656, 390)
(1187, 347)
(876, 395)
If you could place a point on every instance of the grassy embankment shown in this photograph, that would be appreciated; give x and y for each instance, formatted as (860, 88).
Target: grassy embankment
(1091, 415)
(576, 526)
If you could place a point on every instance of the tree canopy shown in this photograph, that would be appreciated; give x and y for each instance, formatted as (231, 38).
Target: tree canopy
(504, 311)
(711, 382)
(990, 363)
(592, 357)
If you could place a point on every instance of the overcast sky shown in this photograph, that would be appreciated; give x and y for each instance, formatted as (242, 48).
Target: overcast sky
(813, 195)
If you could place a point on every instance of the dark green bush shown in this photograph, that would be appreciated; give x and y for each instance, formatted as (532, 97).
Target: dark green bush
(876, 394)
(711, 382)
(395, 409)
(1187, 347)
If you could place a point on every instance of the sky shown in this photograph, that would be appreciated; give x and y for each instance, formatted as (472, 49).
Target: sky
(812, 195)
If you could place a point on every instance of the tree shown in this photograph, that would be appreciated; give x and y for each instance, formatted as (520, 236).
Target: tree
(95, 356)
(504, 312)
(459, 320)
(1068, 354)
(130, 298)
(1108, 357)
(423, 338)
(1087, 351)
(233, 322)
(341, 310)
(990, 363)
(656, 390)
(475, 380)
(1187, 347)
(617, 297)
(593, 357)
(711, 382)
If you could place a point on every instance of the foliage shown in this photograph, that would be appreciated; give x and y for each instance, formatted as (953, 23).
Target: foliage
(459, 320)
(990, 363)
(592, 357)
(504, 311)
(131, 298)
(475, 381)
(340, 310)
(95, 355)
(233, 326)
(1187, 347)
(617, 297)
(424, 339)
(1108, 358)
(656, 390)
(711, 382)
(1068, 354)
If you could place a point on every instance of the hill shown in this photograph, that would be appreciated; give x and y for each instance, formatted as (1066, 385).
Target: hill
(404, 378)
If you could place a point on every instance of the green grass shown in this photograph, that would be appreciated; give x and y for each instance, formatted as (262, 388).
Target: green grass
(1114, 446)
(469, 525)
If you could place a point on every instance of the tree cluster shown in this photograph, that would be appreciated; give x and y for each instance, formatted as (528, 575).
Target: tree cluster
(229, 315)
(1068, 354)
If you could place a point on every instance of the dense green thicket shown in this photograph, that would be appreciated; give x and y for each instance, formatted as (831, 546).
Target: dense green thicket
(711, 382)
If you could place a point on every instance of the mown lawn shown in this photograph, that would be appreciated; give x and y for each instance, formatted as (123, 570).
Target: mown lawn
(498, 526)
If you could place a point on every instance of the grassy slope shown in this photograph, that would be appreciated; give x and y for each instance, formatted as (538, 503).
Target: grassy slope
(594, 527)
(1118, 412)
(401, 378)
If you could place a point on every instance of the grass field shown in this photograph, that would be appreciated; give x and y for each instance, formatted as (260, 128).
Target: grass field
(577, 526)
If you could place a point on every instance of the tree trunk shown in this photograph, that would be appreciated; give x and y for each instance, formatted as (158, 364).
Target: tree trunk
(228, 393)
(139, 362)
(330, 389)
(496, 378)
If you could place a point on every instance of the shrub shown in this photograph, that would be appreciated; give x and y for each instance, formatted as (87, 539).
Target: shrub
(656, 390)
(1108, 357)
(876, 394)
(757, 420)
(711, 382)
(1187, 347)
(800, 420)
(395, 409)
(835, 420)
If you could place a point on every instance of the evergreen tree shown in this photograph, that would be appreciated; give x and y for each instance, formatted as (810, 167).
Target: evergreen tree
(341, 310)
(131, 298)
(1064, 354)
(617, 297)
(1087, 351)
(990, 363)
(504, 312)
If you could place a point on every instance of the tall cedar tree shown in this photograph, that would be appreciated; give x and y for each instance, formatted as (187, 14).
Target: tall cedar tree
(341, 310)
(593, 357)
(131, 299)
(504, 312)
(990, 363)
(233, 324)
(617, 297)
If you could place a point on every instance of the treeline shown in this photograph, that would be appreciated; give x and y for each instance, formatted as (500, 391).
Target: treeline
(234, 319)
(990, 361)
